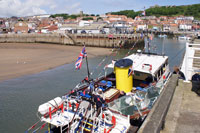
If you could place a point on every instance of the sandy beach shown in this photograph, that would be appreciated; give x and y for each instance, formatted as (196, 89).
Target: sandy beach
(19, 59)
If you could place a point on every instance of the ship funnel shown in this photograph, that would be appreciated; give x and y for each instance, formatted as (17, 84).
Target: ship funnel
(124, 81)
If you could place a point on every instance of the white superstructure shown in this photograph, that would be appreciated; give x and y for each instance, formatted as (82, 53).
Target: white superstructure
(188, 67)
(142, 61)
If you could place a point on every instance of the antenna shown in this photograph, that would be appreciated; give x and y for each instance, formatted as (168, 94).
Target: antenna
(163, 52)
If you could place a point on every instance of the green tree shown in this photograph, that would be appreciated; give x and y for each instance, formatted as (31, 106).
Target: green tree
(88, 18)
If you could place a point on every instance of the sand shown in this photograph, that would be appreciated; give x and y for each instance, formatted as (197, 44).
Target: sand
(19, 59)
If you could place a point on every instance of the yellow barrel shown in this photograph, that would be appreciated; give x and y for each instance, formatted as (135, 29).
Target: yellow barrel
(124, 82)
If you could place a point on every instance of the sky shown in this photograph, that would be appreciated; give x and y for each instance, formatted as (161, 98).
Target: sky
(10, 8)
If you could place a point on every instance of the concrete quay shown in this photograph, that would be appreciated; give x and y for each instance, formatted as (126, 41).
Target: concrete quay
(93, 40)
(184, 112)
(176, 111)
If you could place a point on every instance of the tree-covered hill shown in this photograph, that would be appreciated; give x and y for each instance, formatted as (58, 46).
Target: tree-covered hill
(186, 10)
(65, 16)
(73, 16)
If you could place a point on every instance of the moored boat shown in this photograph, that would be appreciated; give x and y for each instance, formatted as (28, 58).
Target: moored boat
(183, 37)
(162, 36)
(108, 103)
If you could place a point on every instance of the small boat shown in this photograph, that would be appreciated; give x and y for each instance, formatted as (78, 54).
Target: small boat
(162, 36)
(108, 103)
(183, 37)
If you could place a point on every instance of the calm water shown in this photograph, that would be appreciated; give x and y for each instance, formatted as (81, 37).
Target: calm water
(20, 98)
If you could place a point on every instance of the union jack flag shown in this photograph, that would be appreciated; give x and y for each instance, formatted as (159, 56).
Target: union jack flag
(78, 63)
(144, 13)
(130, 71)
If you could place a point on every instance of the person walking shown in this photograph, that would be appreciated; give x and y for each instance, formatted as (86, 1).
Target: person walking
(177, 71)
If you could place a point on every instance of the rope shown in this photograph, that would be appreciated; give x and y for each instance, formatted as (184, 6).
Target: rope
(117, 51)
(104, 59)
(131, 48)
(179, 52)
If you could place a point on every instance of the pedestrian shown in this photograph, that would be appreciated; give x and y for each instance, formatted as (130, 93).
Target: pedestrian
(177, 71)
(196, 83)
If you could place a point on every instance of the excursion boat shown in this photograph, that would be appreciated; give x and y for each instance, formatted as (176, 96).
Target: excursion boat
(108, 103)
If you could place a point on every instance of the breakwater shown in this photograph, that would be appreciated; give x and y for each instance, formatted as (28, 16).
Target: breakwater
(94, 40)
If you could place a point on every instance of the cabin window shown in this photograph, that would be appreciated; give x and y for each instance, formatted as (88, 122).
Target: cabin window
(166, 63)
(159, 74)
(161, 70)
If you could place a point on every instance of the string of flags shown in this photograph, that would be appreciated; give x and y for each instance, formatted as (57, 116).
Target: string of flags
(83, 54)
(131, 48)
(34, 125)
(130, 71)
(98, 65)
(113, 53)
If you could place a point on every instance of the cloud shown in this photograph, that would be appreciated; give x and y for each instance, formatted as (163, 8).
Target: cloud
(66, 6)
(33, 7)
(19, 8)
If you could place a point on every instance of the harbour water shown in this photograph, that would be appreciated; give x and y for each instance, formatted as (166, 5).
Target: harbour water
(20, 97)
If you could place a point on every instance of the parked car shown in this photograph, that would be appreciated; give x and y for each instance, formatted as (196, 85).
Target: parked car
(83, 32)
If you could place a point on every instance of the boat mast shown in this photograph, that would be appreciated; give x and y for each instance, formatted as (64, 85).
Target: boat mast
(148, 45)
(87, 68)
(163, 52)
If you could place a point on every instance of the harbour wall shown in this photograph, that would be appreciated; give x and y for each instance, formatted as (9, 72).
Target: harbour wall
(155, 120)
(93, 40)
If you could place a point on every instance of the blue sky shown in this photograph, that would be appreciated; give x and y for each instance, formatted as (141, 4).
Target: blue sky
(31, 7)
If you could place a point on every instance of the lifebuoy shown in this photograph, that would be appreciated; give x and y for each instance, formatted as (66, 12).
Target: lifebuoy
(109, 117)
(150, 66)
(70, 104)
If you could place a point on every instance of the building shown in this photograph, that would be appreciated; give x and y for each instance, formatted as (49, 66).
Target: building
(83, 23)
(21, 27)
(91, 28)
(42, 16)
(142, 27)
(166, 28)
(173, 27)
(187, 27)
(120, 27)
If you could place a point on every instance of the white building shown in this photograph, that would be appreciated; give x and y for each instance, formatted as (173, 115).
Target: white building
(82, 28)
(142, 27)
(84, 23)
(185, 18)
(185, 27)
(166, 28)
(42, 16)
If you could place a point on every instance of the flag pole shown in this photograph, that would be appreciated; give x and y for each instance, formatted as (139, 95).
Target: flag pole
(87, 69)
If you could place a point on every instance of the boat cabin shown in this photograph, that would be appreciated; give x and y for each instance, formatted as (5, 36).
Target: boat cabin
(147, 68)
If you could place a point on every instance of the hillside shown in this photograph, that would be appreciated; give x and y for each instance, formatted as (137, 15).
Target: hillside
(186, 10)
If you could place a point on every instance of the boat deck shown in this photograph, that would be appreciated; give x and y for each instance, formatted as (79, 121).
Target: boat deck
(183, 115)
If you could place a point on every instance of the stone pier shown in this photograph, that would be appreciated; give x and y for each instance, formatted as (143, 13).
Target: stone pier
(93, 40)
